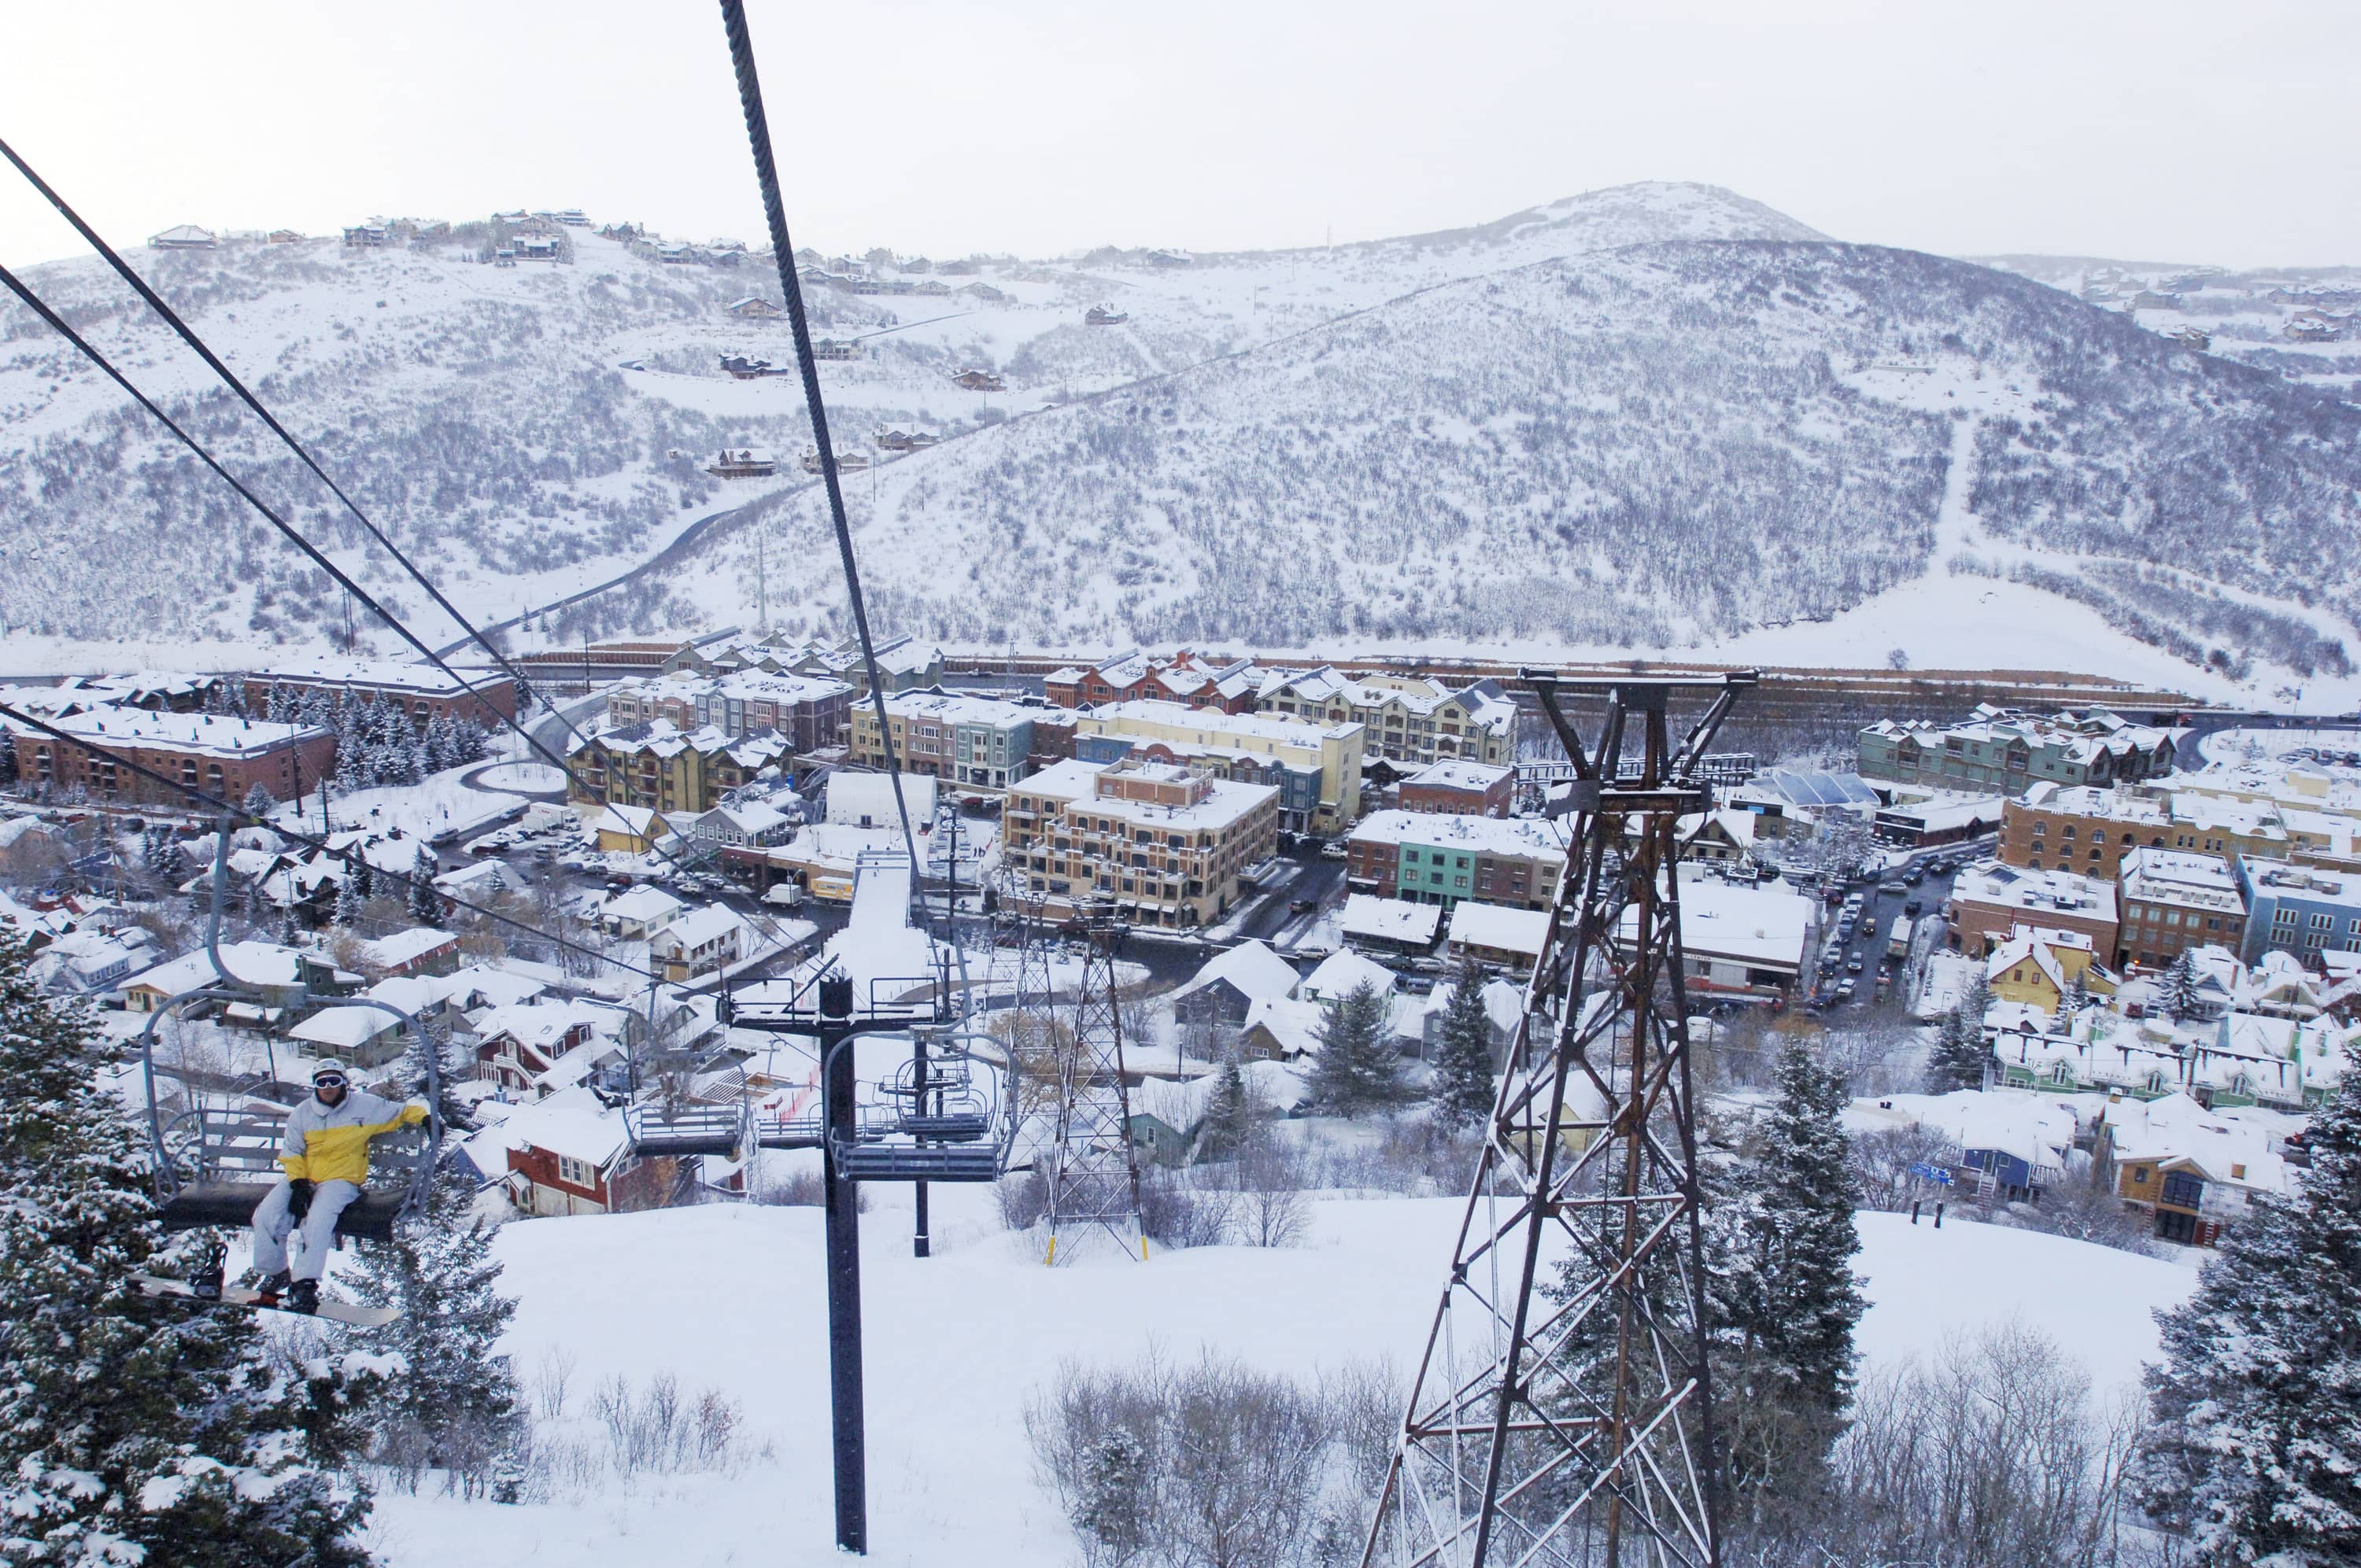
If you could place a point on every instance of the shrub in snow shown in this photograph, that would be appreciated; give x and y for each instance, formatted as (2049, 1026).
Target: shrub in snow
(134, 1428)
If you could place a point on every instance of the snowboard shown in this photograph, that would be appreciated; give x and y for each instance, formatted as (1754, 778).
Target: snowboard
(351, 1312)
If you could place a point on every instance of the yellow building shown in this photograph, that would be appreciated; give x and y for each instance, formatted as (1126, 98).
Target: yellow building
(2037, 967)
(1319, 764)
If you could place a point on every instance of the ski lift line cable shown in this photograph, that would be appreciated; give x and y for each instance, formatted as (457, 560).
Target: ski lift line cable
(90, 351)
(188, 336)
(774, 213)
(346, 858)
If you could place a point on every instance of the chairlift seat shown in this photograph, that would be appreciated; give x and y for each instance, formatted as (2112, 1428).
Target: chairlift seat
(954, 1128)
(231, 1163)
(692, 1130)
(789, 1133)
(915, 1162)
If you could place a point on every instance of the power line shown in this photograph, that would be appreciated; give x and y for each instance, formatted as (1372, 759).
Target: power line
(344, 857)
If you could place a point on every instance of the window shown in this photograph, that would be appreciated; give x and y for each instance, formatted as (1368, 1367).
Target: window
(575, 1172)
(2140, 1172)
(2182, 1190)
(2322, 922)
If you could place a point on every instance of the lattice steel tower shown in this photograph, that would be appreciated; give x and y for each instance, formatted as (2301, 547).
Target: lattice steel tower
(1093, 1171)
(1563, 1414)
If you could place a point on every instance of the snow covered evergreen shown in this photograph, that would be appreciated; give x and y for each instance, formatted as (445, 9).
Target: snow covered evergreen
(2256, 1448)
(1357, 1070)
(1960, 1053)
(1463, 1088)
(133, 1430)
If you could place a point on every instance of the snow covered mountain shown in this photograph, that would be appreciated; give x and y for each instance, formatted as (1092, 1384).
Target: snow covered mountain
(1655, 417)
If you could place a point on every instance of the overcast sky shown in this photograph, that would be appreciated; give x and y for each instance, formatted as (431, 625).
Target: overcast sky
(2164, 131)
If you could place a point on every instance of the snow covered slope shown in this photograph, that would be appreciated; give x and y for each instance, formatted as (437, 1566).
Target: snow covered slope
(1665, 445)
(1655, 418)
(731, 1297)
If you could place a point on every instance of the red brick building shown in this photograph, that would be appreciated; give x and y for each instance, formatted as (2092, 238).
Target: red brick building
(422, 691)
(222, 755)
(1455, 787)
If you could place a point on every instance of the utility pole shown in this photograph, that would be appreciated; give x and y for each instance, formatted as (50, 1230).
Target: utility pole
(1558, 1427)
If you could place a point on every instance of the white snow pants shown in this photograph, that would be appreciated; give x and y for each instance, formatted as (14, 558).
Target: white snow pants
(272, 1222)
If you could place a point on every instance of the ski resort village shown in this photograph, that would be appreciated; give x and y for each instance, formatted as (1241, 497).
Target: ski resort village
(1642, 884)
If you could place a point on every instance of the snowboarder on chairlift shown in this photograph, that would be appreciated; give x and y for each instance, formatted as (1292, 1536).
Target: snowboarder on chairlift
(325, 1152)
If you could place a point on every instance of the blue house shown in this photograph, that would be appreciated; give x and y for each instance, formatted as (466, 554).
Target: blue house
(2303, 910)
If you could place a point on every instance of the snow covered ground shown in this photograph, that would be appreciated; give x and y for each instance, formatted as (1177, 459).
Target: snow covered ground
(731, 1297)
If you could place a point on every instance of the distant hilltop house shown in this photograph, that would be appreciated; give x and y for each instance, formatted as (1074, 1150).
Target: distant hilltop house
(905, 440)
(2195, 337)
(572, 218)
(743, 462)
(835, 348)
(978, 381)
(747, 369)
(753, 307)
(2155, 300)
(369, 237)
(1104, 315)
(986, 292)
(283, 236)
(1168, 258)
(184, 237)
(2316, 326)
(844, 460)
(536, 248)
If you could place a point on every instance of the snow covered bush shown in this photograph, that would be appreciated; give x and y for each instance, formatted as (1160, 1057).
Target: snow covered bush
(1212, 1464)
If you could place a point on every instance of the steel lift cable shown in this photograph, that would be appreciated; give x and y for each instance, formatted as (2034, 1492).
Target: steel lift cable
(91, 352)
(344, 857)
(758, 132)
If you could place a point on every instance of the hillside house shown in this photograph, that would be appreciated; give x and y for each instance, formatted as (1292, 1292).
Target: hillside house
(754, 308)
(2039, 967)
(837, 349)
(629, 831)
(1497, 937)
(743, 462)
(1394, 926)
(184, 237)
(1225, 989)
(283, 236)
(569, 1154)
(701, 941)
(1504, 1004)
(521, 1048)
(2194, 1171)
(978, 381)
(637, 913)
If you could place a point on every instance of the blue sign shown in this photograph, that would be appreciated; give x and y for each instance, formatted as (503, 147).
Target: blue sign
(1935, 1173)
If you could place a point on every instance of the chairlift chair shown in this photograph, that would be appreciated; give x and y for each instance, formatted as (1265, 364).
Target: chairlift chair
(213, 1165)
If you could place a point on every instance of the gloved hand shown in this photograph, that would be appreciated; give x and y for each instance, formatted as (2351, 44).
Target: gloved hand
(299, 1199)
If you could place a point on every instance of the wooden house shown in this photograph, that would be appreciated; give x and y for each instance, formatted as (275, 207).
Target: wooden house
(744, 463)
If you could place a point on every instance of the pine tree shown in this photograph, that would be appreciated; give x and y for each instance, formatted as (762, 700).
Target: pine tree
(456, 1407)
(132, 1429)
(2076, 998)
(1785, 1300)
(1357, 1070)
(1958, 1059)
(2180, 1001)
(1462, 1086)
(425, 904)
(1229, 1113)
(259, 802)
(2257, 1407)
(350, 896)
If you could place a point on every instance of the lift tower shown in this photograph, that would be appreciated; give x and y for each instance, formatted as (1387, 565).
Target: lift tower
(1093, 1170)
(1571, 1425)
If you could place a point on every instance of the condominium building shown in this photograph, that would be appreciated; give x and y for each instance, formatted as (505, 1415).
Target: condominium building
(1164, 845)
(2305, 910)
(224, 755)
(2174, 900)
(1409, 718)
(2004, 751)
(1319, 764)
(1432, 859)
(979, 743)
(1187, 678)
(807, 710)
(661, 767)
(1992, 899)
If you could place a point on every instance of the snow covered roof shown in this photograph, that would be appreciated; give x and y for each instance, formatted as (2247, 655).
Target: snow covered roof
(1212, 723)
(2176, 1127)
(1453, 773)
(2180, 877)
(705, 924)
(642, 905)
(1251, 967)
(398, 949)
(345, 1028)
(1293, 1026)
(480, 985)
(209, 734)
(1480, 835)
(867, 800)
(1391, 919)
(2035, 1128)
(1746, 925)
(380, 674)
(1497, 928)
(2038, 893)
(1503, 1002)
(251, 963)
(1342, 974)
(570, 1123)
(635, 821)
(1069, 780)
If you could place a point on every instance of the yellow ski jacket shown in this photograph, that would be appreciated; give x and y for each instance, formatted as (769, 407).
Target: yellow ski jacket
(330, 1143)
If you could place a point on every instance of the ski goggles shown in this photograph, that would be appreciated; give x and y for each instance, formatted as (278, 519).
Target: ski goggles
(328, 1081)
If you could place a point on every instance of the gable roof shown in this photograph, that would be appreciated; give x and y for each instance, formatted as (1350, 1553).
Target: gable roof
(1251, 967)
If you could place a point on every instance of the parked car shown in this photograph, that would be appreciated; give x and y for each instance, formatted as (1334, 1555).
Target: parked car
(1893, 885)
(1333, 851)
(1301, 906)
